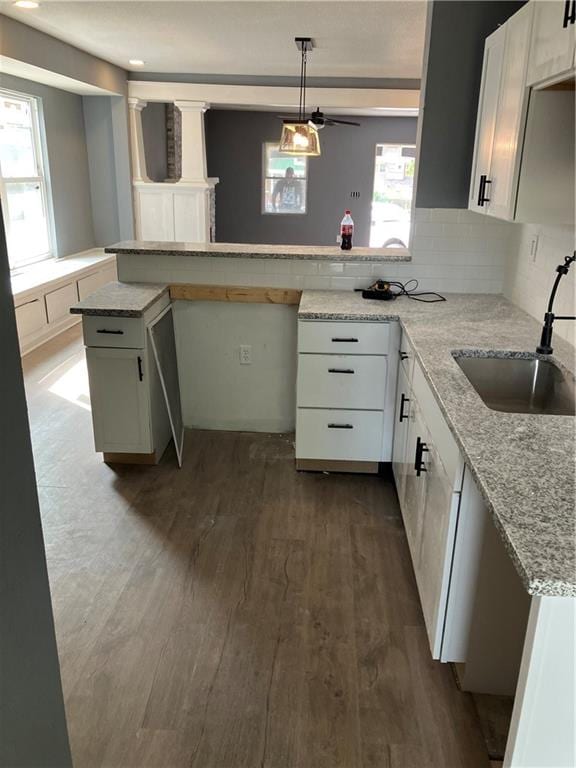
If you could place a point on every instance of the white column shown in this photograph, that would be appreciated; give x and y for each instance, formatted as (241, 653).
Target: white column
(193, 142)
(135, 107)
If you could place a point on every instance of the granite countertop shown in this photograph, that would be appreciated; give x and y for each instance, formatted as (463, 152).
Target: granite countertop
(120, 300)
(523, 464)
(257, 251)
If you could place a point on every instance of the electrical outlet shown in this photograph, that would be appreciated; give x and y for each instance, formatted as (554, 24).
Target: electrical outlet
(245, 354)
(534, 247)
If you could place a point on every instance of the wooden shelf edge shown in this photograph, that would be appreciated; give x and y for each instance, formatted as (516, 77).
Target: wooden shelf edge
(235, 293)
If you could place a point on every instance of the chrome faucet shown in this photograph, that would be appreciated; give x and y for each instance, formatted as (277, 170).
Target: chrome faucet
(544, 347)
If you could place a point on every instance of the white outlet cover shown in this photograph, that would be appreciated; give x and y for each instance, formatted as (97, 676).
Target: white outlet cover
(245, 354)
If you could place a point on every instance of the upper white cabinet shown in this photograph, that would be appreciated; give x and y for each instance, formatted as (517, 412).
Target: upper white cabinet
(501, 118)
(553, 43)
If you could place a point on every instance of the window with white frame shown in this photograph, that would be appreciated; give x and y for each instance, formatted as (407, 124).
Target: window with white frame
(23, 186)
(284, 181)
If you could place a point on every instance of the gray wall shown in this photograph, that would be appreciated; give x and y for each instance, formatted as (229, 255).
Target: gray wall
(450, 95)
(32, 721)
(154, 131)
(68, 163)
(234, 142)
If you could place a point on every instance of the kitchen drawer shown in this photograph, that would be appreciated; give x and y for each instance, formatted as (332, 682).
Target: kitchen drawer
(327, 337)
(406, 354)
(338, 434)
(436, 422)
(120, 332)
(88, 284)
(58, 302)
(342, 381)
(30, 317)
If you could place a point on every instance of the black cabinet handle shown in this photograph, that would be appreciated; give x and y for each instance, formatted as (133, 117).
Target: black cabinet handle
(105, 330)
(403, 355)
(340, 370)
(340, 426)
(421, 448)
(403, 416)
(346, 341)
(569, 13)
(140, 373)
(482, 190)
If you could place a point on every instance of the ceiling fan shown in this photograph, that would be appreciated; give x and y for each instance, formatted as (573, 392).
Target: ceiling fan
(300, 135)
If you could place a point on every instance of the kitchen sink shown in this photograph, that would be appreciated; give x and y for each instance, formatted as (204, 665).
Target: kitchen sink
(519, 384)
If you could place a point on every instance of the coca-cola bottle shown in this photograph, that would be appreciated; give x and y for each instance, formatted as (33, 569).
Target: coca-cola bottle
(346, 231)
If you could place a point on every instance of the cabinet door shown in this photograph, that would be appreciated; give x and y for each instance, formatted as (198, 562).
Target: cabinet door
(401, 420)
(439, 515)
(413, 496)
(119, 397)
(510, 117)
(486, 119)
(553, 40)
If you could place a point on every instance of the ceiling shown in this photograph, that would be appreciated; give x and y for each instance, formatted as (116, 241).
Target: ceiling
(353, 38)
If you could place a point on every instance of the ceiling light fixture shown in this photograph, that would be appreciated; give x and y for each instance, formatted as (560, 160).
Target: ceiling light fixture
(300, 137)
(136, 62)
(26, 4)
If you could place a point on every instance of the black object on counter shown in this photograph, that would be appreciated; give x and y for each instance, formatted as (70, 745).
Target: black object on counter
(382, 290)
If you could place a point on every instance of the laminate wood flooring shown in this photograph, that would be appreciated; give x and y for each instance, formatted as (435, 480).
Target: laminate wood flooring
(235, 613)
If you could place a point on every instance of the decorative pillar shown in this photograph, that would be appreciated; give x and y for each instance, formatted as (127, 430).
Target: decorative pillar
(173, 143)
(135, 107)
(193, 143)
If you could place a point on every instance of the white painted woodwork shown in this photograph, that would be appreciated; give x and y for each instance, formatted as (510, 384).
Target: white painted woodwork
(192, 214)
(354, 338)
(407, 356)
(552, 46)
(120, 401)
(58, 302)
(342, 381)
(317, 439)
(542, 732)
(119, 332)
(193, 141)
(179, 211)
(487, 111)
(88, 284)
(31, 318)
(413, 485)
(135, 107)
(510, 117)
(401, 421)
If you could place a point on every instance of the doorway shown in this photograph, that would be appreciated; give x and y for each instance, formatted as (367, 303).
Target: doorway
(392, 195)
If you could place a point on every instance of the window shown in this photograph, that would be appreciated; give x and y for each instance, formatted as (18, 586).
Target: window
(392, 197)
(22, 180)
(284, 180)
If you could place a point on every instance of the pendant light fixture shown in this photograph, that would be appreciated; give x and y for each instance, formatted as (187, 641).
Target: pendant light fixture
(300, 137)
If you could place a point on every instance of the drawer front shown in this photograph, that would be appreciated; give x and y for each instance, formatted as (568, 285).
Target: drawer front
(30, 318)
(58, 302)
(338, 434)
(121, 332)
(88, 284)
(343, 338)
(342, 381)
(444, 441)
(406, 354)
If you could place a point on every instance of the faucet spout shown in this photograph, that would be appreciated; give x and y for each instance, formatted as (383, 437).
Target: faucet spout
(545, 346)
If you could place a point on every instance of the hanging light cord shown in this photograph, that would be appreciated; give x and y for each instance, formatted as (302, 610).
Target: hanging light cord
(302, 101)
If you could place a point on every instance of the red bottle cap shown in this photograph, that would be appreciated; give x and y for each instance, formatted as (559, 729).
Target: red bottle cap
(346, 211)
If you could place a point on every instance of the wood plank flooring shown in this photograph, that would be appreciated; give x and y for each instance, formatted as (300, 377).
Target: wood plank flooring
(235, 613)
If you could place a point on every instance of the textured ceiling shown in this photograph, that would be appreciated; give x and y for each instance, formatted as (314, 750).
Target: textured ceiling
(354, 39)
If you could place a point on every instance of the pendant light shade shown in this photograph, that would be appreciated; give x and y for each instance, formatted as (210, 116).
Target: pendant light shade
(299, 139)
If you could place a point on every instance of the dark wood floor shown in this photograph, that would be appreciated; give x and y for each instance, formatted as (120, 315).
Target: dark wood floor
(233, 613)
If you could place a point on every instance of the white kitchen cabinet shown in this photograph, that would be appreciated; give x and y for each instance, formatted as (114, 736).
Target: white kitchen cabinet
(58, 302)
(119, 395)
(501, 118)
(401, 422)
(553, 41)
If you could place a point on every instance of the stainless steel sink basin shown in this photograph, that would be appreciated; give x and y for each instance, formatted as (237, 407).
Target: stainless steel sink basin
(520, 385)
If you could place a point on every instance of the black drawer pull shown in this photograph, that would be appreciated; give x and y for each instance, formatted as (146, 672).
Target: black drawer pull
(421, 448)
(340, 370)
(569, 13)
(105, 330)
(346, 341)
(403, 355)
(403, 416)
(340, 426)
(140, 372)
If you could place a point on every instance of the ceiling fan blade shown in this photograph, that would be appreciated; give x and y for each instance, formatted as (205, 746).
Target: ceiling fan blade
(334, 121)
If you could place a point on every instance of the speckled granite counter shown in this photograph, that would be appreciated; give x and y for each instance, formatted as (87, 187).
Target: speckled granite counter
(524, 464)
(120, 300)
(257, 251)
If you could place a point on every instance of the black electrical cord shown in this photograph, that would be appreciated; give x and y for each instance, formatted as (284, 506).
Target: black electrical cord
(408, 289)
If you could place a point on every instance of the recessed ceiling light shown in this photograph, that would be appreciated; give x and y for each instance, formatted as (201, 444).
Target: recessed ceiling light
(26, 4)
(136, 62)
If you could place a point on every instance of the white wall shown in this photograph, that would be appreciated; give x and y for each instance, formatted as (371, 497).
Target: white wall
(529, 279)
